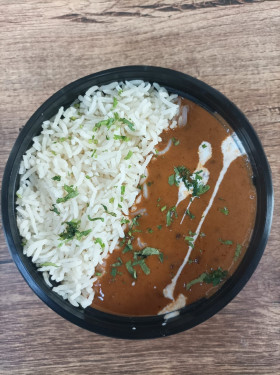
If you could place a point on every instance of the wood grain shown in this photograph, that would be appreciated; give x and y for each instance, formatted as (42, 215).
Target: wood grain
(232, 45)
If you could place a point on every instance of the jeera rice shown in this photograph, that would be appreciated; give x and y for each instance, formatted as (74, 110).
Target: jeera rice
(80, 177)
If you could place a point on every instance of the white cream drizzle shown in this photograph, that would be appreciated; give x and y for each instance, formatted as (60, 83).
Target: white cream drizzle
(231, 149)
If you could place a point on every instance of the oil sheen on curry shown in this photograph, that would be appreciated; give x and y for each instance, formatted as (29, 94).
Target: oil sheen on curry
(190, 226)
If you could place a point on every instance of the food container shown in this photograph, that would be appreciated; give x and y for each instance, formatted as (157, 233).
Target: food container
(191, 315)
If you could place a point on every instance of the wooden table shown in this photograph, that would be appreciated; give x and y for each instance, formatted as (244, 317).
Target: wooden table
(233, 45)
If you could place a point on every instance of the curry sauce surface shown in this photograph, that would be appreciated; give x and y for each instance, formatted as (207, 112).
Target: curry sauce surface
(123, 295)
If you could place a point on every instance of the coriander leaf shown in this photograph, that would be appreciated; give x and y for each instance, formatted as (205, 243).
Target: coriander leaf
(48, 264)
(98, 274)
(72, 193)
(237, 252)
(56, 178)
(200, 279)
(171, 180)
(175, 141)
(215, 276)
(118, 263)
(190, 214)
(128, 156)
(130, 269)
(95, 218)
(79, 234)
(128, 123)
(115, 102)
(163, 208)
(224, 211)
(204, 145)
(226, 242)
(114, 272)
(201, 189)
(159, 227)
(100, 242)
(172, 211)
(143, 265)
(54, 209)
(121, 138)
(106, 210)
(71, 230)
(122, 189)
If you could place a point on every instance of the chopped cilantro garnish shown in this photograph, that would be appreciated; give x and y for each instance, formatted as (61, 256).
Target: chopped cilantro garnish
(204, 145)
(98, 274)
(237, 252)
(106, 210)
(72, 193)
(73, 118)
(214, 277)
(122, 189)
(18, 195)
(149, 230)
(169, 216)
(224, 211)
(48, 264)
(163, 208)
(143, 265)
(171, 180)
(124, 221)
(100, 242)
(121, 137)
(128, 123)
(95, 218)
(130, 269)
(175, 141)
(192, 216)
(88, 177)
(109, 122)
(56, 178)
(54, 209)
(128, 156)
(159, 227)
(115, 102)
(111, 200)
(118, 263)
(226, 242)
(94, 154)
(72, 230)
(190, 240)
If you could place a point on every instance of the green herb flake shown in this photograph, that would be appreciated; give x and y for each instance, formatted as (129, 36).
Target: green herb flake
(226, 242)
(118, 263)
(114, 272)
(237, 252)
(128, 123)
(163, 208)
(71, 193)
(214, 277)
(143, 265)
(159, 227)
(121, 138)
(224, 211)
(175, 141)
(106, 210)
(149, 230)
(54, 209)
(171, 180)
(130, 269)
(111, 200)
(95, 218)
(169, 216)
(124, 221)
(122, 189)
(79, 234)
(88, 177)
(18, 195)
(190, 240)
(192, 216)
(56, 178)
(204, 145)
(48, 264)
(100, 242)
(98, 274)
(128, 156)
(115, 102)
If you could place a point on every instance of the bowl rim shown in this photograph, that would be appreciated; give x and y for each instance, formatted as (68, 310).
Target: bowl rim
(152, 326)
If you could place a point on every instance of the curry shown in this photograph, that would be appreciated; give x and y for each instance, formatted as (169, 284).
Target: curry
(190, 226)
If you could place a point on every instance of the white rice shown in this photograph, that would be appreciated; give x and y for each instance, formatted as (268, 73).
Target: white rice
(65, 148)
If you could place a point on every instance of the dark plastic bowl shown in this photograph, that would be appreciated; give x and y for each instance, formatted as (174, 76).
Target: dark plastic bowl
(143, 327)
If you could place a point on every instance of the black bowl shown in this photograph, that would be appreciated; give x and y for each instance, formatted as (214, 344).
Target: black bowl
(153, 326)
